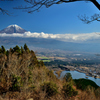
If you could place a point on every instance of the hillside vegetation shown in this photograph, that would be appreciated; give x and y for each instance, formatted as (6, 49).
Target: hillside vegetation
(23, 77)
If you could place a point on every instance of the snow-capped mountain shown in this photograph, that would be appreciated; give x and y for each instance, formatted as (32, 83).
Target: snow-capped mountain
(13, 29)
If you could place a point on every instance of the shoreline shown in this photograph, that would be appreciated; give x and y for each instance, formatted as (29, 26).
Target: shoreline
(88, 74)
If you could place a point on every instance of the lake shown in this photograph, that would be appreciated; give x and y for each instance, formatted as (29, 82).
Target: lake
(77, 75)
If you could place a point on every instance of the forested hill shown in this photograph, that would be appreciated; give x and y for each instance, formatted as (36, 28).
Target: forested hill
(23, 77)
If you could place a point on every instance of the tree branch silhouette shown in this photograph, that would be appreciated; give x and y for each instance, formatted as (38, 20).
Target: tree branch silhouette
(3, 11)
(87, 20)
(35, 5)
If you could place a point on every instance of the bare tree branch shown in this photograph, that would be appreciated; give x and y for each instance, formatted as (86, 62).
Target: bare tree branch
(3, 11)
(87, 20)
(37, 4)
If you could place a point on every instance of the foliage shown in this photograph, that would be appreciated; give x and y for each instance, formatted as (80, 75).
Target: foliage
(68, 90)
(41, 63)
(15, 83)
(84, 83)
(17, 49)
(2, 50)
(50, 88)
(50, 74)
(14, 71)
(7, 53)
(22, 50)
(26, 48)
(68, 77)
(22, 77)
(97, 92)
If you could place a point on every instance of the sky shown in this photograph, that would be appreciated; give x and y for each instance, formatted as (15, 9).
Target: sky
(57, 19)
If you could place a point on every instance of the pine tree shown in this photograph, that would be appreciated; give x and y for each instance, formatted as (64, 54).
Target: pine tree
(3, 50)
(17, 49)
(26, 48)
(22, 50)
(0, 50)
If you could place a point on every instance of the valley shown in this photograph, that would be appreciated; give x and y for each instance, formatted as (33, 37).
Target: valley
(70, 61)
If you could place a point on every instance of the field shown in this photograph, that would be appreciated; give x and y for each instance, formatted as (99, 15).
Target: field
(44, 59)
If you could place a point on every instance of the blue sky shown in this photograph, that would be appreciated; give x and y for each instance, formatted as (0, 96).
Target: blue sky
(58, 19)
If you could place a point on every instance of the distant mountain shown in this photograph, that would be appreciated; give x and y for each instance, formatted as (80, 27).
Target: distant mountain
(43, 42)
(13, 29)
(50, 44)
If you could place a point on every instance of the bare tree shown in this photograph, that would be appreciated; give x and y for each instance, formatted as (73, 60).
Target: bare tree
(35, 5)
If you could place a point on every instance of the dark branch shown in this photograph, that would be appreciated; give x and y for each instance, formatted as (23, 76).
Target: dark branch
(4, 11)
(88, 20)
(68, 1)
(96, 4)
(37, 4)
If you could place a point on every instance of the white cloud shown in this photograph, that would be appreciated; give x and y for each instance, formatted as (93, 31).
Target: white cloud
(62, 37)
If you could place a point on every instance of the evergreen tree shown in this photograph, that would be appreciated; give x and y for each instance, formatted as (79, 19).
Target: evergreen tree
(3, 50)
(7, 53)
(0, 50)
(26, 48)
(68, 77)
(17, 49)
(22, 50)
(41, 63)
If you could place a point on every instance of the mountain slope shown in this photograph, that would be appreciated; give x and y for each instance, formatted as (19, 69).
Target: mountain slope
(23, 77)
(13, 29)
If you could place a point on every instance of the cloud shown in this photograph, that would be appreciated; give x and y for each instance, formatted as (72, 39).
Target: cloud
(82, 37)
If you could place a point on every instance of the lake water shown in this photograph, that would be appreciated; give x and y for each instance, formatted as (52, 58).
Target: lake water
(77, 75)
